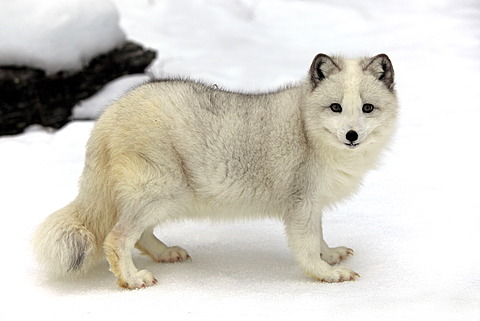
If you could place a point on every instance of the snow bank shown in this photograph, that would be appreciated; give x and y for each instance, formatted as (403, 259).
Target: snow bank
(57, 35)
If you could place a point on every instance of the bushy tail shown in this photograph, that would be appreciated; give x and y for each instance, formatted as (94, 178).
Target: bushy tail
(62, 243)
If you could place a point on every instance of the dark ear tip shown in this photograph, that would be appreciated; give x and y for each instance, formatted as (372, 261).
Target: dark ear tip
(382, 56)
(322, 67)
(381, 67)
(321, 55)
(316, 73)
(388, 71)
(320, 58)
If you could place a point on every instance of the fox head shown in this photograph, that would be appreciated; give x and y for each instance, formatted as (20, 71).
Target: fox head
(351, 103)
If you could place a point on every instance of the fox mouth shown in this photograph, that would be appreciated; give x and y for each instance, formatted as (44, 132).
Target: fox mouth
(352, 145)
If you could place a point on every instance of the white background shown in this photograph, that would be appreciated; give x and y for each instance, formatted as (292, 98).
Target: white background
(414, 226)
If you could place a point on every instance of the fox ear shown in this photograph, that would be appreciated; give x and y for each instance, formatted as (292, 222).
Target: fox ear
(381, 67)
(322, 67)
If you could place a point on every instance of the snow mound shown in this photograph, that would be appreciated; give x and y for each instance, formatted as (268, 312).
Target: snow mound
(57, 35)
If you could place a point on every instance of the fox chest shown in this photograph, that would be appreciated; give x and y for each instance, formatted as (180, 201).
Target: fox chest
(335, 183)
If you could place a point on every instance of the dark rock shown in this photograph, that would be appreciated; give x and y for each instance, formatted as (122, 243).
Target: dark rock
(29, 96)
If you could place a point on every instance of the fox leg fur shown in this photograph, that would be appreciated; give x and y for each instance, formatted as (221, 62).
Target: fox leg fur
(158, 251)
(118, 246)
(335, 255)
(304, 231)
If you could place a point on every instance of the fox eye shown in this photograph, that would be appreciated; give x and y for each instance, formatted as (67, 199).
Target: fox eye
(336, 108)
(368, 108)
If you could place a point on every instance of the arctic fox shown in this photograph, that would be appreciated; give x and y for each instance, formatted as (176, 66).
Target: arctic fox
(176, 149)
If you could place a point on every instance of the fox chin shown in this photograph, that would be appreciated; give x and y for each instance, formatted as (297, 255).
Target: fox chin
(177, 149)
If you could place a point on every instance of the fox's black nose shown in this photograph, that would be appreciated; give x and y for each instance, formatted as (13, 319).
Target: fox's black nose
(352, 136)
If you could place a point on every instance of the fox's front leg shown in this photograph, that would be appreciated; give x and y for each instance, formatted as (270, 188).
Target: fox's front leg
(335, 255)
(304, 231)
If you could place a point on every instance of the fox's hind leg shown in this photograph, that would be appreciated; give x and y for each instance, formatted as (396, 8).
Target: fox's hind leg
(149, 189)
(118, 246)
(158, 251)
(134, 219)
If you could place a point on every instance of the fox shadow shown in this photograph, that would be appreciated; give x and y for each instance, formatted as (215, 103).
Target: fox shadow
(222, 263)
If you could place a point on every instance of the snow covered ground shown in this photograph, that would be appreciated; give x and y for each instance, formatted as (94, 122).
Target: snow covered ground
(414, 226)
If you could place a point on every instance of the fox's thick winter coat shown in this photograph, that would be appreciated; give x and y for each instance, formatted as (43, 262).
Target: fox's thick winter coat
(175, 149)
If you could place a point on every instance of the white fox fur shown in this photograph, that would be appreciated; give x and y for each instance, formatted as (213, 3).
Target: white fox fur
(176, 149)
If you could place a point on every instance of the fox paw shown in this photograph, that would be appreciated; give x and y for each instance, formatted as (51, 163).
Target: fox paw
(172, 254)
(336, 255)
(141, 279)
(337, 274)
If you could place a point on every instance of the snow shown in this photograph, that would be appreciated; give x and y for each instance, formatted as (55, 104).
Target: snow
(57, 35)
(413, 226)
